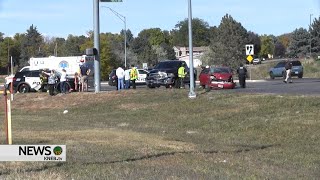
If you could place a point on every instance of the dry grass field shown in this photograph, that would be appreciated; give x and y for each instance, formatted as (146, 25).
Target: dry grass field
(161, 134)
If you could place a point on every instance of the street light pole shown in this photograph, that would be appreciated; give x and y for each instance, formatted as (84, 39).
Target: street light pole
(310, 34)
(192, 94)
(123, 19)
(96, 35)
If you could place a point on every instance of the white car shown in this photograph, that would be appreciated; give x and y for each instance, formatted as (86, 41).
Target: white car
(256, 61)
(142, 75)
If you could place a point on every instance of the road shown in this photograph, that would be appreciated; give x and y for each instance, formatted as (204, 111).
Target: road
(304, 86)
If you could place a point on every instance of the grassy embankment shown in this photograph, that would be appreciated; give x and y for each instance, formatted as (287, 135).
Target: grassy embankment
(161, 134)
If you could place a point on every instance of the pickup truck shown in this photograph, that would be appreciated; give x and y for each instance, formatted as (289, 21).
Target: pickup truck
(165, 73)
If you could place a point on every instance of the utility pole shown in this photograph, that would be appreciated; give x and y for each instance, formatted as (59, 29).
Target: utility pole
(310, 34)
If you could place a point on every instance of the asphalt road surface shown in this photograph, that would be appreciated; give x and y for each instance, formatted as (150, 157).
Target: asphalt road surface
(304, 86)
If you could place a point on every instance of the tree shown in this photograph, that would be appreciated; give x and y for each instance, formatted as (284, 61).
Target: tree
(267, 46)
(279, 49)
(284, 39)
(315, 36)
(254, 39)
(1, 36)
(200, 33)
(299, 43)
(108, 59)
(31, 45)
(228, 46)
(73, 44)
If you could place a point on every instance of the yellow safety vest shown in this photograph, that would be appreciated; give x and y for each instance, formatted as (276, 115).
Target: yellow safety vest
(181, 73)
(133, 74)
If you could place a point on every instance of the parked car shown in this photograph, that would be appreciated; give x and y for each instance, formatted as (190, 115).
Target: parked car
(279, 69)
(142, 74)
(256, 61)
(217, 77)
(165, 73)
(29, 80)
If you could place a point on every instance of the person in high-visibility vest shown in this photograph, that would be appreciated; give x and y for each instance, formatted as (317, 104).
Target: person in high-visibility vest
(181, 75)
(133, 76)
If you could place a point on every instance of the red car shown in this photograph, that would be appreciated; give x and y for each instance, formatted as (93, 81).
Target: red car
(217, 78)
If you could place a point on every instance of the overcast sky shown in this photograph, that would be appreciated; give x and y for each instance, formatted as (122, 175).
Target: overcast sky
(60, 18)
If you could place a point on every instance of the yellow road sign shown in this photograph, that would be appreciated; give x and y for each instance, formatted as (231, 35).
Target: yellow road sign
(249, 58)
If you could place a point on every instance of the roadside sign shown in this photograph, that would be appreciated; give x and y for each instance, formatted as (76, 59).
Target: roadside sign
(249, 49)
(145, 65)
(249, 58)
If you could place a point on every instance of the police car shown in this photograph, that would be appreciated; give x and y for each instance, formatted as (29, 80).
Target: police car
(142, 75)
(8, 79)
(30, 80)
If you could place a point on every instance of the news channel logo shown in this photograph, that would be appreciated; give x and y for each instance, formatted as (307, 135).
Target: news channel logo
(32, 152)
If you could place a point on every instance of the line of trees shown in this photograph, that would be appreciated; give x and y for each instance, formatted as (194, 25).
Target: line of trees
(226, 44)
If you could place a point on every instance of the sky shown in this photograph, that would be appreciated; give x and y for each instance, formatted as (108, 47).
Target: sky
(59, 18)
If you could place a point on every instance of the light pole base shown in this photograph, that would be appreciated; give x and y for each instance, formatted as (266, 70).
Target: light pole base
(192, 95)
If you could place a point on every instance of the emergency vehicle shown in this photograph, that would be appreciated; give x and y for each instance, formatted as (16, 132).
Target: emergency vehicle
(71, 64)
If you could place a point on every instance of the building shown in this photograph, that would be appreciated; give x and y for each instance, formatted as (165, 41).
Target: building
(182, 53)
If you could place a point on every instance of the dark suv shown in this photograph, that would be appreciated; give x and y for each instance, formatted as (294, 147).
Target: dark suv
(279, 69)
(165, 73)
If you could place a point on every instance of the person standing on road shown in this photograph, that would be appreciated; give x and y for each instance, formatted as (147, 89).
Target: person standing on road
(51, 81)
(242, 74)
(288, 67)
(63, 80)
(120, 75)
(133, 76)
(127, 78)
(84, 71)
(181, 75)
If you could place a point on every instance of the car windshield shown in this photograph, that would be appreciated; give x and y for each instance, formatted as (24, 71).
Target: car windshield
(221, 70)
(167, 65)
(296, 63)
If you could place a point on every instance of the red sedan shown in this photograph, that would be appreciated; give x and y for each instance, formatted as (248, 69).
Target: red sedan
(217, 78)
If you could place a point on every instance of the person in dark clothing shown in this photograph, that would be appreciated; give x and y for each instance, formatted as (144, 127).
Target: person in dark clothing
(288, 67)
(51, 81)
(84, 77)
(242, 74)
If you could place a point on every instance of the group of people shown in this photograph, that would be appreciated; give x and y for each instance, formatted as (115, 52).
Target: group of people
(126, 76)
(80, 80)
(52, 78)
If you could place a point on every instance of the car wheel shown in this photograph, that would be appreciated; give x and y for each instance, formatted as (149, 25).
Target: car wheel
(271, 75)
(24, 88)
(68, 87)
(284, 75)
(300, 75)
(150, 86)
